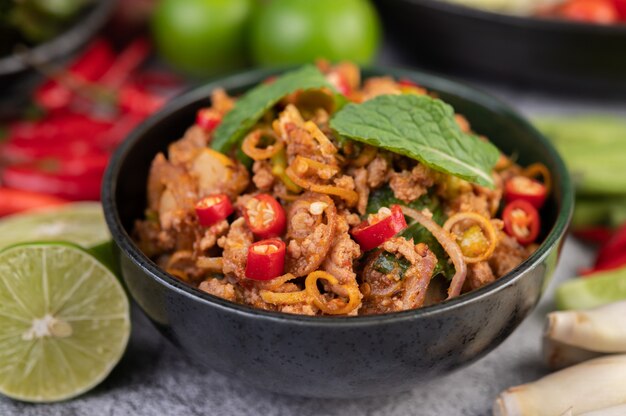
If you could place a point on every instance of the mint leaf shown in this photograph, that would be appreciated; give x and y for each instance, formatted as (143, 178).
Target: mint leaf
(422, 128)
(251, 106)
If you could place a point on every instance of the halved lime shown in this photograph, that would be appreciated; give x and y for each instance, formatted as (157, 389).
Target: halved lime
(64, 321)
(595, 290)
(80, 223)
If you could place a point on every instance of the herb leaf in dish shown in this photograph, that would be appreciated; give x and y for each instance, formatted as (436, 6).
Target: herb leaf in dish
(422, 128)
(384, 197)
(251, 106)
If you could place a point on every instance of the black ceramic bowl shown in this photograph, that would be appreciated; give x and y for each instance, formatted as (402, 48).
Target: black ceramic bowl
(325, 356)
(552, 53)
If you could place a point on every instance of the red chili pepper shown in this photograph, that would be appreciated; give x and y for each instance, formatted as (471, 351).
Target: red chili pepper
(73, 187)
(380, 228)
(614, 248)
(266, 259)
(126, 63)
(521, 221)
(13, 201)
(620, 6)
(598, 235)
(120, 130)
(339, 82)
(60, 135)
(213, 208)
(90, 66)
(208, 119)
(405, 82)
(137, 100)
(265, 216)
(592, 11)
(526, 189)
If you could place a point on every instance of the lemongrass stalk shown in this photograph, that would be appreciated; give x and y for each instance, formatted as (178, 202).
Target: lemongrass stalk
(558, 355)
(602, 329)
(596, 384)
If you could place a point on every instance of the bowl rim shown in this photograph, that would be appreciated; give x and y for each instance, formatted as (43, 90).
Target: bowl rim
(79, 33)
(252, 77)
(521, 22)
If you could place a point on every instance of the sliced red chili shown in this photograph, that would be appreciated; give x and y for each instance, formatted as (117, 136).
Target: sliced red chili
(137, 100)
(265, 216)
(266, 259)
(614, 248)
(35, 179)
(213, 208)
(208, 119)
(379, 228)
(521, 221)
(126, 62)
(526, 189)
(597, 235)
(620, 6)
(339, 82)
(91, 65)
(13, 201)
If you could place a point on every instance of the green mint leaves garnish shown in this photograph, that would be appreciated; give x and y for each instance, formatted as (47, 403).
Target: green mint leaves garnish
(255, 103)
(422, 128)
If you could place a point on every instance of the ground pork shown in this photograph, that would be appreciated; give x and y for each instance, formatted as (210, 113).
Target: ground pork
(410, 185)
(221, 101)
(360, 184)
(220, 288)
(235, 245)
(377, 171)
(210, 236)
(375, 86)
(469, 202)
(182, 151)
(343, 252)
(478, 275)
(507, 255)
(263, 177)
(311, 223)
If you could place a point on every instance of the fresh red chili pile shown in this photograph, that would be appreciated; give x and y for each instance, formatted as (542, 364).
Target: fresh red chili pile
(611, 254)
(87, 110)
(590, 11)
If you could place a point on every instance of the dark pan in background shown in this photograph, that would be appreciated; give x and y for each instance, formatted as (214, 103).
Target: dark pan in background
(543, 53)
(16, 71)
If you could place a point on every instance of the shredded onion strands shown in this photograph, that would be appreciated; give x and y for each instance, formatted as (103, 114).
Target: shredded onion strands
(250, 145)
(297, 169)
(212, 264)
(286, 298)
(485, 225)
(539, 169)
(274, 283)
(179, 256)
(448, 244)
(326, 146)
(334, 306)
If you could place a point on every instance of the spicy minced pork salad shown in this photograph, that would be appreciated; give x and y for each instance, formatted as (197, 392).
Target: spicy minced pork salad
(318, 194)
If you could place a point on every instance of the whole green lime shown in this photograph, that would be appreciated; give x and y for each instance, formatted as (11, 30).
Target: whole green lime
(300, 31)
(202, 37)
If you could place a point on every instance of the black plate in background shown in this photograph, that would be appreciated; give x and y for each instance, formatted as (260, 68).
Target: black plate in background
(18, 77)
(542, 53)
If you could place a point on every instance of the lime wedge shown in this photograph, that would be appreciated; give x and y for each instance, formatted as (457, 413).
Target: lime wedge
(596, 290)
(80, 223)
(64, 322)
